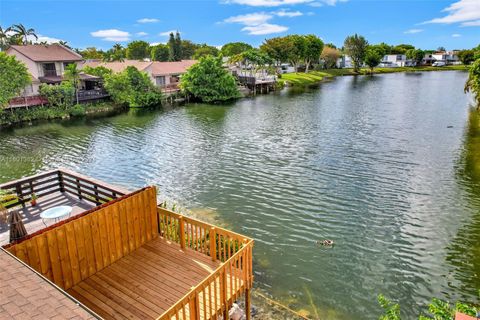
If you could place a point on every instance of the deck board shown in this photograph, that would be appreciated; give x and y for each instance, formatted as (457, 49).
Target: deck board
(145, 283)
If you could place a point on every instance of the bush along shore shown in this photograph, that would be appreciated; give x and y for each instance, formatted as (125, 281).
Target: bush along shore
(13, 116)
(315, 77)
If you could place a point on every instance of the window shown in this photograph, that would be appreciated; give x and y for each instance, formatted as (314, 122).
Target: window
(49, 69)
(160, 81)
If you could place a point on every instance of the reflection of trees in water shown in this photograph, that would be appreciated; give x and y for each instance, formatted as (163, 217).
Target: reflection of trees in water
(464, 251)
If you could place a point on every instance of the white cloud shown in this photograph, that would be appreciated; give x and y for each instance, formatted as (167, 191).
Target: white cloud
(148, 20)
(267, 3)
(321, 3)
(141, 34)
(250, 19)
(286, 13)
(111, 35)
(167, 33)
(257, 23)
(471, 23)
(466, 12)
(264, 28)
(413, 31)
(456, 35)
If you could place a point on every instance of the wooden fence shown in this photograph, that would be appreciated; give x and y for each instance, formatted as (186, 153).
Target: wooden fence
(19, 192)
(213, 296)
(71, 251)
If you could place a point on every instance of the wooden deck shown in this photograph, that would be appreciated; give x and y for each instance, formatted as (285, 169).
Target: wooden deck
(31, 215)
(145, 283)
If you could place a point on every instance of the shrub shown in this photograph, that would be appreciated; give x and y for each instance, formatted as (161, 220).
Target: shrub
(62, 95)
(77, 110)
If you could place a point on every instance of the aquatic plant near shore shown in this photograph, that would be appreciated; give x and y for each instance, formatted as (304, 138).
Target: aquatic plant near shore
(473, 82)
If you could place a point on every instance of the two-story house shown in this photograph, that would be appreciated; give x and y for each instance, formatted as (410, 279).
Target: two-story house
(46, 63)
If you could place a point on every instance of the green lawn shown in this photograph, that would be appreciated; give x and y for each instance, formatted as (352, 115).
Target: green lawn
(313, 77)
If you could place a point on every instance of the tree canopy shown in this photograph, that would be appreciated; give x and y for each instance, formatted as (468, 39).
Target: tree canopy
(14, 77)
(209, 82)
(175, 47)
(138, 50)
(416, 55)
(159, 52)
(356, 47)
(133, 88)
(473, 82)
(233, 48)
(330, 56)
(277, 48)
(466, 56)
(373, 56)
(313, 49)
(205, 50)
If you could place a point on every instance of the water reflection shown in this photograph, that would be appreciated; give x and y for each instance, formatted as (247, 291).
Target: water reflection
(463, 254)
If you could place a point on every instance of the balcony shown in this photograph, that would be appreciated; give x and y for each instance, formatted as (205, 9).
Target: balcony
(95, 94)
(129, 258)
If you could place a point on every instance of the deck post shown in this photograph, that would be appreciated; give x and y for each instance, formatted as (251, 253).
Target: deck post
(181, 230)
(60, 181)
(213, 244)
(224, 296)
(247, 303)
(194, 308)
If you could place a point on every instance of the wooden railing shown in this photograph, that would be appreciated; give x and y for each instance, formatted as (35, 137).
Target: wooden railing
(20, 192)
(214, 295)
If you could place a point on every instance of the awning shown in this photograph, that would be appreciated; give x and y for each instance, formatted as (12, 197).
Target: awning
(51, 79)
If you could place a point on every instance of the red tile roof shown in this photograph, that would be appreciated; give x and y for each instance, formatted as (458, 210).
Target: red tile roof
(47, 53)
(174, 67)
(119, 66)
(26, 295)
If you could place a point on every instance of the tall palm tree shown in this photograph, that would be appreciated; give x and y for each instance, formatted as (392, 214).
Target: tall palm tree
(64, 43)
(23, 32)
(72, 73)
(4, 41)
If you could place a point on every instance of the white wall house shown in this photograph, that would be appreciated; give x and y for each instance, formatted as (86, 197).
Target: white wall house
(449, 57)
(396, 60)
(46, 63)
(344, 62)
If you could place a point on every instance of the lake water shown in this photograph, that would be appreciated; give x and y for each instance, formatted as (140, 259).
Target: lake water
(385, 166)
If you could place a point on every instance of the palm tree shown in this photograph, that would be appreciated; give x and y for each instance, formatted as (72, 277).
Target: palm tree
(72, 73)
(4, 38)
(23, 32)
(64, 43)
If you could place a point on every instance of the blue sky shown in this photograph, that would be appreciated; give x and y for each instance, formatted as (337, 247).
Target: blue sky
(427, 24)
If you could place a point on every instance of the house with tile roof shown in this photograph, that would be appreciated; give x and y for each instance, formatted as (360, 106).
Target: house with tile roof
(165, 75)
(46, 64)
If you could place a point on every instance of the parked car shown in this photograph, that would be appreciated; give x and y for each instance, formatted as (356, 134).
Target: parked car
(439, 64)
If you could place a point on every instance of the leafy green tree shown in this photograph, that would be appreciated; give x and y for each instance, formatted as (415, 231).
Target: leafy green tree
(372, 58)
(175, 47)
(22, 32)
(62, 95)
(209, 82)
(313, 50)
(133, 88)
(116, 53)
(72, 73)
(466, 56)
(138, 50)
(277, 48)
(178, 46)
(233, 48)
(296, 54)
(441, 49)
(159, 52)
(14, 77)
(205, 50)
(356, 46)
(331, 45)
(416, 55)
(401, 48)
(99, 71)
(188, 49)
(91, 53)
(473, 82)
(330, 56)
(256, 59)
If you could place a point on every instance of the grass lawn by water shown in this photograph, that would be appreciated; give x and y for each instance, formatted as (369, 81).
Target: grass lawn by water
(313, 77)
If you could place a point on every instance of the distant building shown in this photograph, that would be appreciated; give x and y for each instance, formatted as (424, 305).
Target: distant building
(344, 62)
(165, 75)
(396, 60)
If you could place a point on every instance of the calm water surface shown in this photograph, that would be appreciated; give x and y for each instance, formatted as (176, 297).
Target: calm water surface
(369, 162)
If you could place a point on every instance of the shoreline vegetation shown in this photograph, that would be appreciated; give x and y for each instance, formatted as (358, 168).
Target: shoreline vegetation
(314, 77)
(11, 117)
(14, 116)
